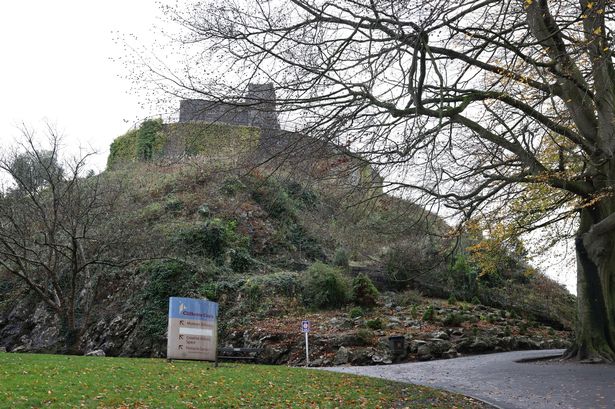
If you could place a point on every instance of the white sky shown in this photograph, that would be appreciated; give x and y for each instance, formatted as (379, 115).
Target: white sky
(60, 66)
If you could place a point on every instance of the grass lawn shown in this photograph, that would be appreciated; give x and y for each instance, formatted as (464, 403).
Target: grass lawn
(29, 380)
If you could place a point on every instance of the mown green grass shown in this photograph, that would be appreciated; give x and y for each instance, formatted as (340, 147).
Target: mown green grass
(28, 381)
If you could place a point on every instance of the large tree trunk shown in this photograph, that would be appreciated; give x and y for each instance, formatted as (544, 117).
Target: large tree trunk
(72, 335)
(595, 335)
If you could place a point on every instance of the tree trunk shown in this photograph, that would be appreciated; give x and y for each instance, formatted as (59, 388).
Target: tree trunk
(595, 334)
(72, 335)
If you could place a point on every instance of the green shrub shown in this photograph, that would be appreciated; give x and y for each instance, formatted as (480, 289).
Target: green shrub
(324, 287)
(285, 283)
(340, 258)
(164, 279)
(356, 312)
(475, 300)
(241, 261)
(232, 185)
(453, 320)
(364, 336)
(275, 200)
(428, 315)
(374, 324)
(452, 300)
(302, 194)
(414, 312)
(408, 297)
(211, 238)
(363, 291)
(148, 139)
(173, 204)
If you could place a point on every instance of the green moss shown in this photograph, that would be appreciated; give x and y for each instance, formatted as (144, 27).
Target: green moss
(152, 138)
(216, 140)
(144, 143)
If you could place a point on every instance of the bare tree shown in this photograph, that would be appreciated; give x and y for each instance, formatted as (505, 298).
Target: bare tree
(500, 109)
(52, 233)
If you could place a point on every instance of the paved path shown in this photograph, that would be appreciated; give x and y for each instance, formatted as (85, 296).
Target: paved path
(501, 381)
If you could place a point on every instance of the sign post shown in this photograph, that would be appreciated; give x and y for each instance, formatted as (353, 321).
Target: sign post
(193, 329)
(305, 328)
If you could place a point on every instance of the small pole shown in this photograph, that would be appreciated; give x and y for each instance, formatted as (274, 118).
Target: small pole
(307, 350)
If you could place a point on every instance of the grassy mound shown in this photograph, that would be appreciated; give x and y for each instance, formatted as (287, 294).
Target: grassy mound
(69, 381)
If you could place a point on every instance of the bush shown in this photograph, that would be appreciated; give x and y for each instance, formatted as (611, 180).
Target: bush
(453, 320)
(285, 284)
(232, 185)
(356, 312)
(340, 258)
(241, 261)
(406, 262)
(428, 315)
(375, 324)
(324, 287)
(211, 239)
(363, 291)
(164, 279)
(452, 300)
(408, 297)
(365, 337)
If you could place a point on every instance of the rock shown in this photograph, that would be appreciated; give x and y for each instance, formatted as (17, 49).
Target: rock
(480, 345)
(440, 335)
(451, 353)
(2, 349)
(458, 332)
(527, 343)
(96, 352)
(342, 356)
(317, 362)
(377, 359)
(424, 353)
(415, 344)
(398, 309)
(438, 346)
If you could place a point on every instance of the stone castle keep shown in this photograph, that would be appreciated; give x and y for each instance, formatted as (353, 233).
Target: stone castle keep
(248, 130)
(258, 110)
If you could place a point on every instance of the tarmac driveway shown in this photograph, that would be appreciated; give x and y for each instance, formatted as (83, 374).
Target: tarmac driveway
(501, 381)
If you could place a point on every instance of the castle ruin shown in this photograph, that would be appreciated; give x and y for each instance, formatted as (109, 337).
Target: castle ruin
(258, 109)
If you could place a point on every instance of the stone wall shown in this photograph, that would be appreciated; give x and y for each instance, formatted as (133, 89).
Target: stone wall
(258, 109)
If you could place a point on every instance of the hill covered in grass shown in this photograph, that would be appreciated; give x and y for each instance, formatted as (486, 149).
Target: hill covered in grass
(291, 238)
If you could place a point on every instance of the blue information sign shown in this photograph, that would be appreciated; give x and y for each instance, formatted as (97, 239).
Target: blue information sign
(193, 329)
(305, 326)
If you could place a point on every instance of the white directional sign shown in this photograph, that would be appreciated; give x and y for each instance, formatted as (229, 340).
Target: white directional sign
(193, 329)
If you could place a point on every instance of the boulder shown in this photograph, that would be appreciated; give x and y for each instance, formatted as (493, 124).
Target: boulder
(2, 349)
(415, 344)
(423, 353)
(451, 353)
(96, 352)
(440, 335)
(342, 356)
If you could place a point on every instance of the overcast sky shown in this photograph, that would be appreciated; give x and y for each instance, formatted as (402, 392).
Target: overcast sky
(60, 66)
